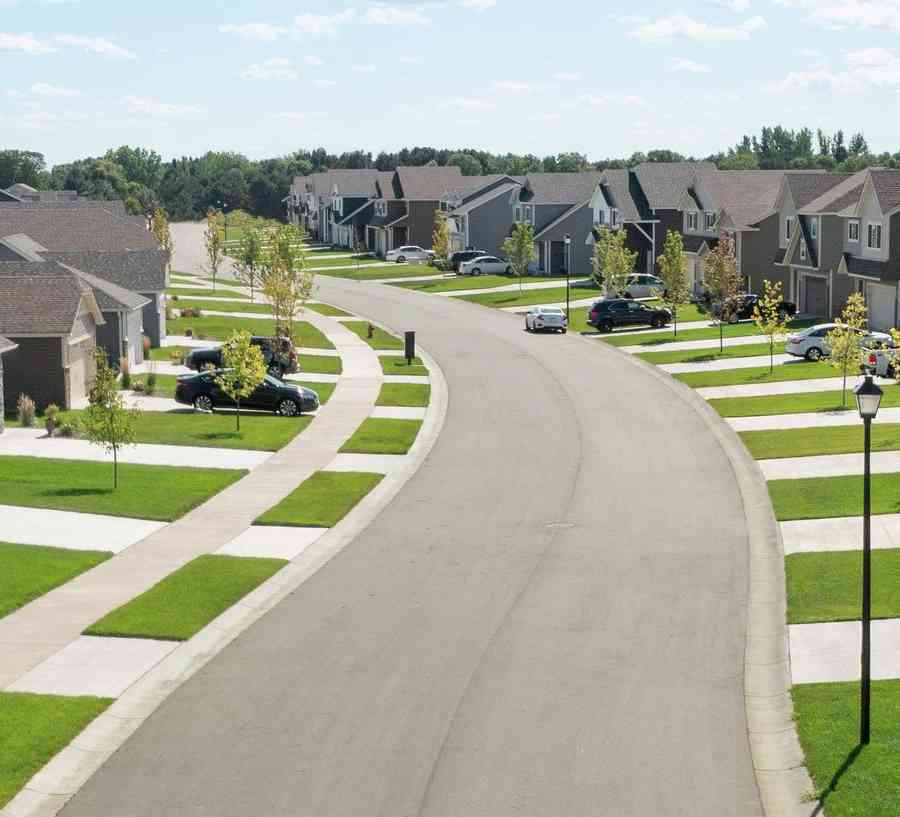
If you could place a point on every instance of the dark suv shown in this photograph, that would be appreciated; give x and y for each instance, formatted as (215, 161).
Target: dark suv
(741, 308)
(457, 258)
(278, 353)
(609, 313)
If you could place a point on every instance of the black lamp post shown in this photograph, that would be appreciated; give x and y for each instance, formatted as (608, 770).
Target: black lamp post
(222, 207)
(568, 240)
(868, 399)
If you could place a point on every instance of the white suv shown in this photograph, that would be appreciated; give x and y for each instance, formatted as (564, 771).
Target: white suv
(411, 252)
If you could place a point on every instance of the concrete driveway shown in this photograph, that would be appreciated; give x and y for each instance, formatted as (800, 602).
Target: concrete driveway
(548, 620)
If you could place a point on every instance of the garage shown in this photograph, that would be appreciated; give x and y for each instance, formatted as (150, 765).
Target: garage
(80, 372)
(815, 296)
(881, 300)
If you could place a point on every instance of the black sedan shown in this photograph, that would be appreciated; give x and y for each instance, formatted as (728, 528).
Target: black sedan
(609, 313)
(741, 308)
(202, 392)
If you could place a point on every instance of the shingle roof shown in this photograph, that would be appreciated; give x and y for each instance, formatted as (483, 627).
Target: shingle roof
(114, 206)
(385, 185)
(887, 187)
(693, 243)
(23, 246)
(621, 189)
(747, 196)
(560, 188)
(808, 186)
(5, 196)
(110, 296)
(490, 195)
(664, 183)
(844, 194)
(427, 183)
(353, 182)
(562, 218)
(39, 298)
(28, 193)
(883, 270)
(6, 345)
(360, 215)
(71, 229)
(139, 271)
(471, 186)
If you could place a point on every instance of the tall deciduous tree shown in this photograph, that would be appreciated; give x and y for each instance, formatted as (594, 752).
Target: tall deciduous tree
(672, 271)
(613, 262)
(215, 244)
(723, 282)
(440, 239)
(249, 257)
(845, 352)
(243, 369)
(519, 250)
(770, 316)
(159, 225)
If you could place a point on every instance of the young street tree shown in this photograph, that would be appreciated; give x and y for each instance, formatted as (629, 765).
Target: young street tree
(723, 282)
(519, 250)
(215, 244)
(106, 421)
(249, 257)
(770, 317)
(440, 239)
(613, 262)
(845, 353)
(674, 275)
(284, 278)
(159, 226)
(243, 369)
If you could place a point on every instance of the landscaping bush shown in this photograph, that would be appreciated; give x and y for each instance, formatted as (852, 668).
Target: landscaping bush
(25, 410)
(137, 386)
(173, 297)
(69, 428)
(150, 386)
(125, 371)
(51, 418)
(176, 357)
(170, 313)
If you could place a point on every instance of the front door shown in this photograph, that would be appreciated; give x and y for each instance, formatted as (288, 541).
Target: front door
(815, 297)
(881, 299)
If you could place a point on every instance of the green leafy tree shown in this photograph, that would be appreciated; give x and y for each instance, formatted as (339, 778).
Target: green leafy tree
(770, 317)
(845, 352)
(440, 239)
(249, 256)
(672, 271)
(243, 369)
(106, 421)
(723, 283)
(159, 226)
(215, 244)
(613, 262)
(285, 279)
(519, 250)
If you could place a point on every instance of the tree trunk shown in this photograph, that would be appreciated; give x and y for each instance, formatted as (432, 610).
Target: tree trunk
(721, 337)
(771, 354)
(238, 415)
(115, 467)
(674, 321)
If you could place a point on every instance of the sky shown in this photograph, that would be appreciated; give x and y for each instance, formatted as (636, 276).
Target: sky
(266, 77)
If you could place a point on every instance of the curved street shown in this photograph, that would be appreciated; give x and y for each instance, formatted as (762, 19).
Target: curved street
(547, 621)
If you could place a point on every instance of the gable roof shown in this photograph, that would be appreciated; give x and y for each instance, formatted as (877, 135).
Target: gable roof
(887, 187)
(6, 345)
(110, 296)
(622, 190)
(359, 183)
(73, 229)
(476, 202)
(28, 193)
(839, 197)
(427, 183)
(138, 271)
(114, 206)
(808, 186)
(664, 183)
(5, 196)
(384, 185)
(560, 219)
(746, 196)
(560, 188)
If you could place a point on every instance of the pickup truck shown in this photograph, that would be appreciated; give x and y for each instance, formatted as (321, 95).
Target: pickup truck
(279, 361)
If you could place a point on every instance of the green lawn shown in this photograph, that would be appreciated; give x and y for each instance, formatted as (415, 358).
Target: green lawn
(368, 273)
(826, 497)
(391, 364)
(404, 394)
(145, 491)
(165, 384)
(379, 340)
(808, 442)
(205, 292)
(315, 260)
(164, 353)
(703, 355)
(329, 310)
(322, 500)
(505, 299)
(224, 306)
(28, 571)
(324, 390)
(319, 364)
(379, 435)
(851, 781)
(828, 586)
(463, 282)
(770, 404)
(186, 601)
(757, 374)
(651, 339)
(220, 328)
(33, 728)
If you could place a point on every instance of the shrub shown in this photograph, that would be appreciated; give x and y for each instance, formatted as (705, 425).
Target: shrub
(150, 385)
(173, 297)
(138, 386)
(125, 371)
(67, 429)
(188, 332)
(176, 357)
(170, 314)
(51, 418)
(25, 410)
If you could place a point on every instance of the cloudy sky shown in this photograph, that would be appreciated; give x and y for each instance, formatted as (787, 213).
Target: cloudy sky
(266, 77)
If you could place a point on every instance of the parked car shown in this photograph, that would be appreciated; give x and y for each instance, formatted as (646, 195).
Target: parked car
(278, 353)
(643, 286)
(203, 393)
(812, 343)
(411, 252)
(485, 264)
(457, 258)
(539, 318)
(741, 308)
(608, 313)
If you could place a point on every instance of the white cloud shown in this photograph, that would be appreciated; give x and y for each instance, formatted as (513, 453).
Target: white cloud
(24, 43)
(871, 57)
(275, 68)
(324, 83)
(867, 68)
(682, 26)
(878, 14)
(266, 32)
(154, 107)
(363, 69)
(466, 103)
(611, 99)
(514, 86)
(478, 5)
(689, 66)
(46, 89)
(315, 61)
(395, 15)
(322, 24)
(567, 76)
(95, 45)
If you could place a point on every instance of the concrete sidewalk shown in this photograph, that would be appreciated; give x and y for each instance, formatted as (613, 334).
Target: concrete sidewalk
(724, 364)
(783, 387)
(817, 419)
(829, 651)
(829, 465)
(839, 533)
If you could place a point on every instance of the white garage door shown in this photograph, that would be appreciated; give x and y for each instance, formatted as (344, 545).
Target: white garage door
(881, 299)
(80, 372)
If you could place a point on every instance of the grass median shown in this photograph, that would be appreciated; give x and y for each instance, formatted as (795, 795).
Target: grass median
(772, 404)
(329, 310)
(380, 338)
(810, 442)
(320, 364)
(830, 497)
(155, 492)
(707, 355)
(463, 282)
(186, 601)
(217, 327)
(322, 500)
(652, 339)
(404, 394)
(394, 364)
(223, 306)
(206, 292)
(758, 374)
(377, 271)
(528, 297)
(380, 435)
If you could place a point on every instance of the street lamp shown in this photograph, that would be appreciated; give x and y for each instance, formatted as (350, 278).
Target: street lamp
(222, 206)
(568, 240)
(868, 399)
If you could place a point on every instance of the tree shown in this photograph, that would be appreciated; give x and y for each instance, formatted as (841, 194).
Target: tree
(440, 239)
(770, 317)
(845, 352)
(674, 275)
(858, 145)
(106, 421)
(468, 164)
(838, 151)
(284, 278)
(243, 369)
(723, 282)
(613, 262)
(519, 249)
(159, 226)
(249, 256)
(215, 244)
(23, 167)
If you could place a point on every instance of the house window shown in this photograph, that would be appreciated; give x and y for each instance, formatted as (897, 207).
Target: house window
(814, 228)
(788, 227)
(803, 252)
(614, 218)
(601, 216)
(874, 237)
(692, 220)
(517, 214)
(853, 231)
(710, 221)
(526, 214)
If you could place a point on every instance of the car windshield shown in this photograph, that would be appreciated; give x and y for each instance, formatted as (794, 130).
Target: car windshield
(272, 381)
(551, 311)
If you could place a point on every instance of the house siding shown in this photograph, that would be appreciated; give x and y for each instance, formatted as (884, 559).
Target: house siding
(578, 226)
(420, 227)
(35, 369)
(490, 225)
(154, 318)
(2, 399)
(109, 337)
(758, 256)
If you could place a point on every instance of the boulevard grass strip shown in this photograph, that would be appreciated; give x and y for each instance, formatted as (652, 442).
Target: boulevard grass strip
(772, 404)
(528, 297)
(165, 384)
(314, 260)
(706, 355)
(156, 492)
(380, 435)
(224, 306)
(829, 497)
(652, 339)
(391, 364)
(379, 340)
(404, 394)
(329, 310)
(319, 364)
(369, 272)
(205, 292)
(757, 374)
(321, 501)
(324, 390)
(217, 327)
(851, 781)
(186, 601)
(810, 442)
(828, 586)
(464, 282)
(29, 571)
(167, 353)
(33, 728)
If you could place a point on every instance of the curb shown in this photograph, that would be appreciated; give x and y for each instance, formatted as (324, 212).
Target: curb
(48, 791)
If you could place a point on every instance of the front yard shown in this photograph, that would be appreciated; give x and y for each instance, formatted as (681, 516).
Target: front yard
(321, 501)
(378, 435)
(217, 327)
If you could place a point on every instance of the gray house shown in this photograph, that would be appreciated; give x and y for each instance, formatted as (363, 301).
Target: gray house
(6, 345)
(352, 196)
(479, 215)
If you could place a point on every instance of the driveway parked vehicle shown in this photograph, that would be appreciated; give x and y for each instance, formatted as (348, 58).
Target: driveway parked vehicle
(459, 257)
(643, 286)
(278, 353)
(741, 308)
(812, 343)
(485, 265)
(411, 252)
(540, 318)
(608, 313)
(203, 393)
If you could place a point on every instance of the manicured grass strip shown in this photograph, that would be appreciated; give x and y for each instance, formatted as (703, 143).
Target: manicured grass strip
(217, 327)
(808, 442)
(167, 354)
(379, 340)
(404, 394)
(223, 306)
(826, 497)
(315, 260)
(320, 364)
(324, 390)
(328, 309)
(369, 272)
(391, 364)
(529, 297)
(165, 384)
(464, 282)
(378, 435)
(154, 492)
(651, 339)
(851, 781)
(186, 601)
(204, 291)
(28, 571)
(33, 728)
(771, 404)
(828, 586)
(704, 355)
(758, 374)
(321, 501)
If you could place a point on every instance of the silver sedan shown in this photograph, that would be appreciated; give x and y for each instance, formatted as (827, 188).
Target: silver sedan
(541, 318)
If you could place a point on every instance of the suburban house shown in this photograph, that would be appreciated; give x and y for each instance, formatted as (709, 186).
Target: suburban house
(25, 192)
(478, 213)
(352, 206)
(307, 197)
(51, 315)
(6, 345)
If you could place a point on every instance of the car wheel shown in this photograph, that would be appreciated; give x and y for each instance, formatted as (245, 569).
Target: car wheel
(814, 353)
(203, 402)
(733, 318)
(476, 271)
(509, 270)
(657, 323)
(628, 295)
(564, 331)
(606, 326)
(401, 259)
(288, 408)
(527, 327)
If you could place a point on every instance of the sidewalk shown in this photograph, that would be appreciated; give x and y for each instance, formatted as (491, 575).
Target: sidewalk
(725, 364)
(817, 419)
(690, 345)
(830, 651)
(839, 533)
(784, 387)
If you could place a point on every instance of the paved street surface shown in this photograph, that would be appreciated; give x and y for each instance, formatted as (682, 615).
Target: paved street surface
(547, 621)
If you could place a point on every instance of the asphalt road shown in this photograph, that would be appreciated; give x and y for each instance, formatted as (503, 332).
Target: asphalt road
(547, 621)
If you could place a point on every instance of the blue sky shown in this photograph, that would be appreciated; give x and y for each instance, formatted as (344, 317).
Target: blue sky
(265, 78)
